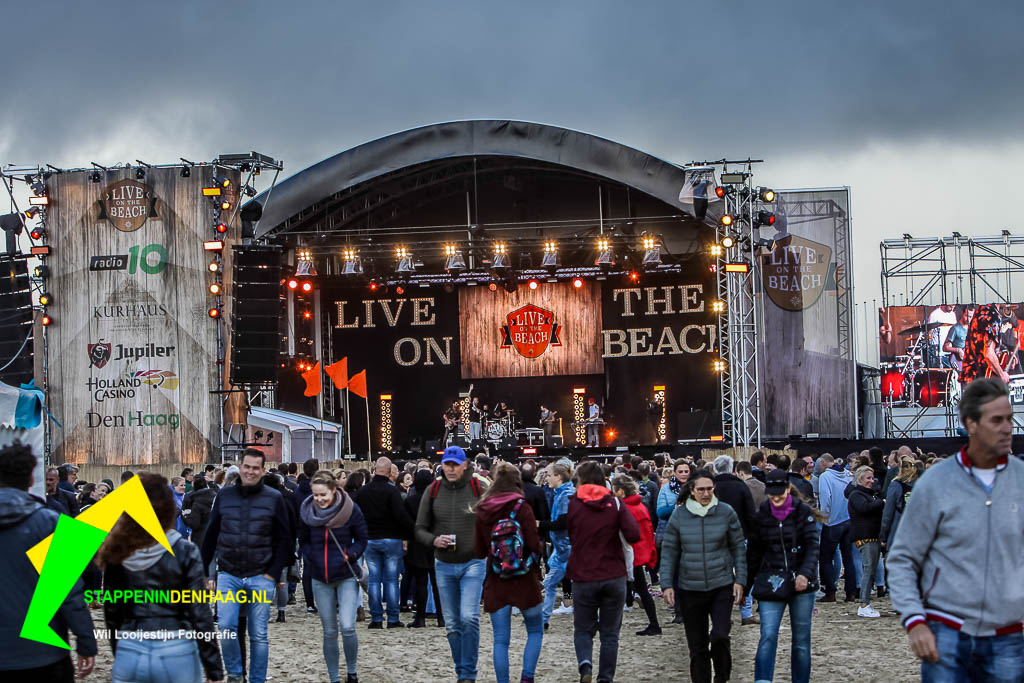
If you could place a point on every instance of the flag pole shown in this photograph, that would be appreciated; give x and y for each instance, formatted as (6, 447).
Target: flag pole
(369, 444)
(348, 423)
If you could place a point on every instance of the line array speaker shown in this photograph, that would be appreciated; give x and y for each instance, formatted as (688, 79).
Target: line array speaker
(15, 322)
(255, 314)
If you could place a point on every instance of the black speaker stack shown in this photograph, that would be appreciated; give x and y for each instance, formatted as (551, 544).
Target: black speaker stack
(15, 322)
(255, 314)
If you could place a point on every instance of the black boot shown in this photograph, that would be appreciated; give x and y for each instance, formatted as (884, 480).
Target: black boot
(280, 616)
(418, 622)
(352, 678)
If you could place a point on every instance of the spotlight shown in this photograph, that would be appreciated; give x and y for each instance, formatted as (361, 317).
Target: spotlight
(38, 187)
(726, 219)
(250, 191)
(493, 286)
(41, 271)
(45, 299)
(717, 306)
(766, 194)
(716, 249)
(46, 321)
(652, 253)
(728, 242)
(604, 253)
(499, 248)
(225, 205)
(767, 243)
(307, 315)
(221, 228)
(399, 290)
(94, 177)
(38, 234)
(223, 181)
(405, 262)
(186, 172)
(577, 283)
(306, 287)
(214, 267)
(214, 312)
(764, 218)
(718, 365)
(453, 259)
(351, 264)
(533, 284)
(215, 288)
(720, 191)
(140, 173)
(374, 286)
(634, 276)
(293, 283)
(550, 258)
(31, 213)
(256, 169)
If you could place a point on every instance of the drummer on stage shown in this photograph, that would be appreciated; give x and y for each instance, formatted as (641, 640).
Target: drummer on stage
(944, 315)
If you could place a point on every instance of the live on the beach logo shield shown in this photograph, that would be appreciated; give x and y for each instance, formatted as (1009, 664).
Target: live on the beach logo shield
(127, 204)
(530, 330)
(795, 272)
(61, 557)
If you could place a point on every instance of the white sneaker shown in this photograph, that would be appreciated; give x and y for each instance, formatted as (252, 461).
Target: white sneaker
(867, 611)
(562, 610)
(515, 610)
(627, 609)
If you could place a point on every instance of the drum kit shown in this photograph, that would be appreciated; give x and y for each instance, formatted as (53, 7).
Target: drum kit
(497, 429)
(908, 381)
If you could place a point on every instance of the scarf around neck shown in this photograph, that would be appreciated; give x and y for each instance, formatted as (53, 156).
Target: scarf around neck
(701, 510)
(335, 515)
(781, 512)
(674, 485)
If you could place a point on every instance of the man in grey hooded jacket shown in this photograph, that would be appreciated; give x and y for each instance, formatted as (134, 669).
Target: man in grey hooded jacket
(955, 567)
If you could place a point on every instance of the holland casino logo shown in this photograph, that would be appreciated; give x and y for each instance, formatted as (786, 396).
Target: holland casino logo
(794, 273)
(125, 387)
(61, 557)
(530, 330)
(127, 204)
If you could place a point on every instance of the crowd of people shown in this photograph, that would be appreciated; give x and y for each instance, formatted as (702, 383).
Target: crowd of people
(445, 541)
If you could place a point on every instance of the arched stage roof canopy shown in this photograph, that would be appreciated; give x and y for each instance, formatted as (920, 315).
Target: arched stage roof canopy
(286, 204)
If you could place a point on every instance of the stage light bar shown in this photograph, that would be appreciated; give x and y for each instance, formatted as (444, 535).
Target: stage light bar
(652, 253)
(500, 248)
(604, 253)
(648, 242)
(305, 255)
(717, 438)
(716, 250)
(550, 259)
(718, 365)
(766, 194)
(579, 414)
(529, 451)
(351, 264)
(385, 422)
(550, 246)
(717, 306)
(207, 191)
(39, 201)
(732, 178)
(213, 245)
(453, 259)
(659, 398)
(41, 250)
(737, 267)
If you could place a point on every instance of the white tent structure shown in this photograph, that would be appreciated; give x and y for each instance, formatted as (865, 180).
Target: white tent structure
(301, 437)
(22, 418)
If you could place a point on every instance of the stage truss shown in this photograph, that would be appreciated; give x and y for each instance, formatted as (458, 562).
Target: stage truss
(919, 271)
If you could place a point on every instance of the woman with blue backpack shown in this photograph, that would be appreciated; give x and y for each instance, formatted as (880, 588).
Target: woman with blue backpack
(506, 537)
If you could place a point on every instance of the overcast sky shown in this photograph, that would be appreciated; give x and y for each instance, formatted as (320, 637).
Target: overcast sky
(915, 105)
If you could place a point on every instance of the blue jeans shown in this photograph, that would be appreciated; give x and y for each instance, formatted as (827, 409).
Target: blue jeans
(460, 586)
(337, 603)
(999, 659)
(501, 624)
(858, 565)
(800, 609)
(832, 536)
(557, 565)
(256, 615)
(383, 557)
(747, 608)
(157, 661)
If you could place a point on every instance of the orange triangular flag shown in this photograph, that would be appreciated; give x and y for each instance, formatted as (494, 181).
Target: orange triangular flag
(312, 378)
(357, 385)
(338, 372)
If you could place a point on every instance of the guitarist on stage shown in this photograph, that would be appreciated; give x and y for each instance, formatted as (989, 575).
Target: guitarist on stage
(983, 346)
(451, 418)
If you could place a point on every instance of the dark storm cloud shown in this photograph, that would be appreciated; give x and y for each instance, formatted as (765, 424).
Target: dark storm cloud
(301, 81)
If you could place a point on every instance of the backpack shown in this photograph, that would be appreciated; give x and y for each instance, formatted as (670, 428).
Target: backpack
(508, 557)
(435, 487)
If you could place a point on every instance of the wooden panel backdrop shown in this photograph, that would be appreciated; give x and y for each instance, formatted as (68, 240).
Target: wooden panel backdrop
(577, 312)
(163, 411)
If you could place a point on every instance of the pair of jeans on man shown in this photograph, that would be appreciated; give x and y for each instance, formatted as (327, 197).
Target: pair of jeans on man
(597, 607)
(837, 535)
(383, 560)
(337, 604)
(460, 585)
(964, 658)
(501, 625)
(157, 661)
(801, 607)
(708, 648)
(257, 615)
(558, 562)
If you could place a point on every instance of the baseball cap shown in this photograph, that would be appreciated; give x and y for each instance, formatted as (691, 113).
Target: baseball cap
(454, 454)
(776, 482)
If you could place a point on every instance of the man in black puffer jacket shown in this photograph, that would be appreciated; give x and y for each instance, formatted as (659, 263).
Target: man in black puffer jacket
(24, 521)
(731, 490)
(249, 532)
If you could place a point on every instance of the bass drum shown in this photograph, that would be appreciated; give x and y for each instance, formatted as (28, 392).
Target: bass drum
(932, 387)
(496, 431)
(892, 385)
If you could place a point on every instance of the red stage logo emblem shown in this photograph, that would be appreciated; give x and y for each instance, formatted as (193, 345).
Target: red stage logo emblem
(530, 330)
(99, 354)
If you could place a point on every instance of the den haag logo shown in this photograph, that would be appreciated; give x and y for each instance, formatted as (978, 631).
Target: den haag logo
(127, 204)
(794, 273)
(530, 330)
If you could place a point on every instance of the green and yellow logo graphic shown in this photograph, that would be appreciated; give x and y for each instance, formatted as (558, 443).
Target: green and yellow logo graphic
(61, 557)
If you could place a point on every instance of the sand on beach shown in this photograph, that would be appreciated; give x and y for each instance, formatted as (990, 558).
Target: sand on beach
(844, 647)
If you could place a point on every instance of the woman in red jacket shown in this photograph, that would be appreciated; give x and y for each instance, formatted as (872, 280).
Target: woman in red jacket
(644, 553)
(508, 589)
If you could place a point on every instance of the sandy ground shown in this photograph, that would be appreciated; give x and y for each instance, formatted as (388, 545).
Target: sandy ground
(844, 648)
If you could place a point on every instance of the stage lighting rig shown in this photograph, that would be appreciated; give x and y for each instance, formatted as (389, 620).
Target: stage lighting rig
(766, 243)
(728, 242)
(38, 233)
(717, 306)
(766, 195)
(716, 250)
(764, 218)
(652, 252)
(726, 220)
(94, 177)
(500, 262)
(31, 213)
(351, 265)
(550, 258)
(727, 178)
(405, 261)
(453, 259)
(718, 365)
(605, 258)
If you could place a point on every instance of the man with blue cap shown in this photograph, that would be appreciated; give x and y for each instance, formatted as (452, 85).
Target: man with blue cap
(446, 521)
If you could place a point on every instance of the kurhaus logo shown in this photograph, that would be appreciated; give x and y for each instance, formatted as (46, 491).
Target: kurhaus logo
(129, 311)
(127, 204)
(100, 352)
(530, 330)
(61, 557)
